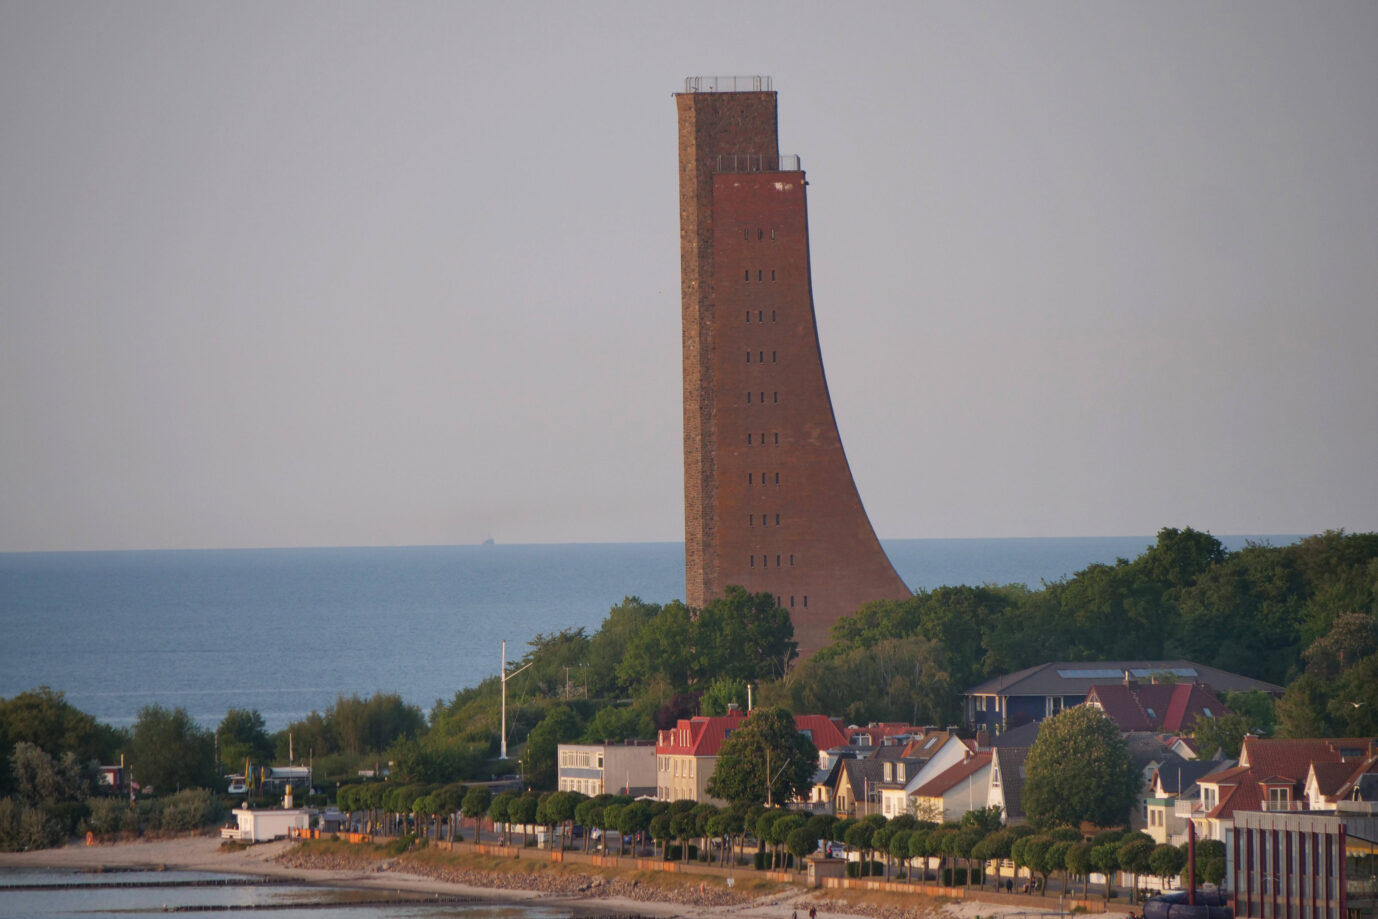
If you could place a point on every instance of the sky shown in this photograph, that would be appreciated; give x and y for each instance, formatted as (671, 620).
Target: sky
(301, 274)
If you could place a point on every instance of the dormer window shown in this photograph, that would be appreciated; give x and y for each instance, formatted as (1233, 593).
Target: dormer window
(889, 772)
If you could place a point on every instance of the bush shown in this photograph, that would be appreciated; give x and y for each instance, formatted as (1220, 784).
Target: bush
(865, 869)
(190, 810)
(957, 877)
(24, 827)
(68, 814)
(109, 816)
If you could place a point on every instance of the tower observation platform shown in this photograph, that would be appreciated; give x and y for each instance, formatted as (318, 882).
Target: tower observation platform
(769, 499)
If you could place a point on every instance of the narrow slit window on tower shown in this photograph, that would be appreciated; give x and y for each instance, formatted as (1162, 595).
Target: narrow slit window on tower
(772, 315)
(753, 561)
(759, 274)
(777, 561)
(791, 600)
(806, 600)
(748, 397)
(777, 396)
(763, 478)
(791, 559)
(777, 523)
(748, 274)
(763, 438)
(777, 478)
(748, 440)
(763, 398)
(746, 233)
(751, 520)
(777, 438)
(748, 315)
(762, 356)
(748, 357)
(760, 233)
(772, 234)
(748, 478)
(773, 356)
(760, 315)
(772, 274)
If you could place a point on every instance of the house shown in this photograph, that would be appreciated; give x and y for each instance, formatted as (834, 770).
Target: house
(857, 791)
(613, 768)
(1039, 692)
(1162, 707)
(1328, 784)
(1271, 776)
(266, 824)
(687, 753)
(956, 790)
(1174, 798)
(1006, 788)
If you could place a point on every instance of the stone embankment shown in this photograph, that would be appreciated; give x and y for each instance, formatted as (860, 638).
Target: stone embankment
(545, 883)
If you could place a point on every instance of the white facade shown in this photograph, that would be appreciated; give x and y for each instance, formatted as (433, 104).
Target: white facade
(266, 824)
(595, 769)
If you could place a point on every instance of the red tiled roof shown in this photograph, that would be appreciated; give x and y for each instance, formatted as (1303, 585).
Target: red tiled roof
(1170, 707)
(825, 732)
(699, 736)
(1274, 763)
(937, 786)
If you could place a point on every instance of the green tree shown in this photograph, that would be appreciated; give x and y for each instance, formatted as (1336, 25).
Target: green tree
(169, 751)
(722, 694)
(242, 736)
(1224, 732)
(1106, 859)
(765, 760)
(41, 780)
(1166, 862)
(477, 801)
(47, 720)
(540, 758)
(743, 636)
(1079, 769)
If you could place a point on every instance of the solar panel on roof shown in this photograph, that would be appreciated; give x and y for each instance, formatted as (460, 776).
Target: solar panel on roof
(1090, 674)
(1106, 673)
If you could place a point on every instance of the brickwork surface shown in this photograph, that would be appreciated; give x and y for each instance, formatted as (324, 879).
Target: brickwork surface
(770, 502)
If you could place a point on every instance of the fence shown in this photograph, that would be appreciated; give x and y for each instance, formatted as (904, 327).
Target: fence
(757, 162)
(754, 84)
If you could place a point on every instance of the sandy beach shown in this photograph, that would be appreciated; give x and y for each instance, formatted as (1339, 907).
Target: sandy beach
(204, 853)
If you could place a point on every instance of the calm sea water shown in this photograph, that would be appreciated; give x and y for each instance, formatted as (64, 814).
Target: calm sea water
(152, 895)
(285, 631)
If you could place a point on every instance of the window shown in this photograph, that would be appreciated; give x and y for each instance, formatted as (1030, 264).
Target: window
(753, 561)
(772, 357)
(748, 357)
(763, 356)
(777, 433)
(772, 234)
(791, 601)
(748, 401)
(777, 396)
(748, 437)
(748, 274)
(806, 601)
(777, 478)
(746, 233)
(759, 274)
(760, 315)
(760, 233)
(772, 315)
(791, 559)
(748, 478)
(763, 398)
(751, 520)
(777, 559)
(763, 435)
(748, 315)
(777, 520)
(772, 274)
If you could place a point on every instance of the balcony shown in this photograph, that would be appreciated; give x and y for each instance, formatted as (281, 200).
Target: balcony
(756, 162)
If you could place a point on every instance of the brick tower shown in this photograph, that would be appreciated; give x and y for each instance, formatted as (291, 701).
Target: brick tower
(769, 501)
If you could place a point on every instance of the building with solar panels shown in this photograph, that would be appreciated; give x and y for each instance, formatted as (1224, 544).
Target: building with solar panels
(1036, 693)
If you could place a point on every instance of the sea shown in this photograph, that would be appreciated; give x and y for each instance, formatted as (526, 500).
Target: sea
(288, 631)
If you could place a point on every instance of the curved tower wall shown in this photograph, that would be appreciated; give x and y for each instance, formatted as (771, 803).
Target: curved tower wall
(769, 501)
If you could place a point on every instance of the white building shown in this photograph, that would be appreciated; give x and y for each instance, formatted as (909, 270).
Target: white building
(266, 824)
(608, 768)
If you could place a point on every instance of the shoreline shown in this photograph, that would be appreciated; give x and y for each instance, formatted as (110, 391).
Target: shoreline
(203, 853)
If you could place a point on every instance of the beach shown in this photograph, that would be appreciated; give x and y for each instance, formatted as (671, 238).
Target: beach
(280, 860)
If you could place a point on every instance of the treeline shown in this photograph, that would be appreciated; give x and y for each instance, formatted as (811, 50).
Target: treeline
(1301, 615)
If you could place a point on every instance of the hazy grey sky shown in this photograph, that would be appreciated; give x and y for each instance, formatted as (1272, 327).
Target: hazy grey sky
(362, 273)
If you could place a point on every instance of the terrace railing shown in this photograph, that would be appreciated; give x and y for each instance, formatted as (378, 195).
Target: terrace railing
(754, 84)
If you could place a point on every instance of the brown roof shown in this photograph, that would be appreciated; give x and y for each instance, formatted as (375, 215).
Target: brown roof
(944, 781)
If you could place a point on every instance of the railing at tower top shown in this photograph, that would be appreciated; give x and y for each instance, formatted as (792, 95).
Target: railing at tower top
(757, 84)
(757, 162)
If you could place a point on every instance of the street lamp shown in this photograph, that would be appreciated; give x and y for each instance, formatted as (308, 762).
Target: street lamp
(505, 677)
